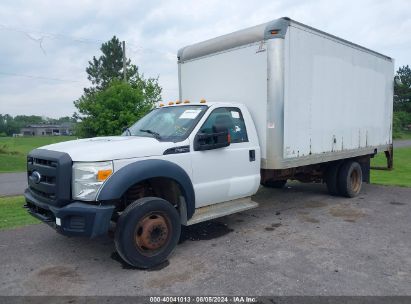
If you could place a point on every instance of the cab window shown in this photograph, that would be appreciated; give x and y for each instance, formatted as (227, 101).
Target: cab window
(230, 117)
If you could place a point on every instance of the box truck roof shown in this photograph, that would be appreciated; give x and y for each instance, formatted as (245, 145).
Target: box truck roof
(270, 30)
(211, 104)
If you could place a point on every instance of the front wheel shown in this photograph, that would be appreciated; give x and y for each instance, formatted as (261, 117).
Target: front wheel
(147, 232)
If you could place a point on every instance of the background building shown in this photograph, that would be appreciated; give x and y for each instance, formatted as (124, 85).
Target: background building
(47, 130)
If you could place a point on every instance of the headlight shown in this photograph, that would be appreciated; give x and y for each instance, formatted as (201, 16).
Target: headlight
(88, 179)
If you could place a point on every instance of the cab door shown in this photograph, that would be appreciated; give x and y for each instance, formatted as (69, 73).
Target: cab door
(227, 173)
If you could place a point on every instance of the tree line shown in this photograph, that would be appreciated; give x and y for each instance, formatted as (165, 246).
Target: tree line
(10, 125)
(402, 100)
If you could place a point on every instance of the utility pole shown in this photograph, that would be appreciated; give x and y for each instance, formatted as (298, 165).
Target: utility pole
(124, 62)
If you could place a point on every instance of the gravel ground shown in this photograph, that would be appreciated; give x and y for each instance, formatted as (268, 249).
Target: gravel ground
(300, 241)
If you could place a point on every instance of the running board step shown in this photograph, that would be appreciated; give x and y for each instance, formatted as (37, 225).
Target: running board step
(222, 209)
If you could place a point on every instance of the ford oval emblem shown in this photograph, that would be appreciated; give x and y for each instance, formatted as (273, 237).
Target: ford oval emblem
(35, 177)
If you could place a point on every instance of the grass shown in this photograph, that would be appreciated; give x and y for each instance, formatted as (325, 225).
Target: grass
(13, 150)
(400, 176)
(12, 213)
(403, 135)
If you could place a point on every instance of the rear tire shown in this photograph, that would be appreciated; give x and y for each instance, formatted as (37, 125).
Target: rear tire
(331, 179)
(274, 183)
(147, 232)
(350, 179)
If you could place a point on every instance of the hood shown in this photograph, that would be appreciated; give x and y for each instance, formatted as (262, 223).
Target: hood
(110, 148)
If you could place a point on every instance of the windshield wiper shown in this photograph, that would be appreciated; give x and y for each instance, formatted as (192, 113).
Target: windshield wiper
(127, 131)
(155, 134)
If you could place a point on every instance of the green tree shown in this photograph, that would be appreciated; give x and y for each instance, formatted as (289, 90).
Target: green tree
(402, 89)
(109, 66)
(107, 112)
(23, 120)
(7, 125)
(98, 106)
(10, 125)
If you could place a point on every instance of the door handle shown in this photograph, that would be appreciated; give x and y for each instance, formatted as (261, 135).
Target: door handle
(251, 154)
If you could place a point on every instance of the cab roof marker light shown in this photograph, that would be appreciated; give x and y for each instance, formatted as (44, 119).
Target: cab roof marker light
(203, 101)
(161, 105)
(178, 101)
(186, 101)
(171, 103)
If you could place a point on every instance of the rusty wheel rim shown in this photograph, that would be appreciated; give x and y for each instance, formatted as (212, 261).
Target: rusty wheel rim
(152, 233)
(355, 181)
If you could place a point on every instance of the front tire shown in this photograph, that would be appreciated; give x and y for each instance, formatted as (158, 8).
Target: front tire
(147, 232)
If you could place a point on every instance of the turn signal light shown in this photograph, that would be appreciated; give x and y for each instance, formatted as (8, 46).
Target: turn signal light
(102, 175)
(274, 32)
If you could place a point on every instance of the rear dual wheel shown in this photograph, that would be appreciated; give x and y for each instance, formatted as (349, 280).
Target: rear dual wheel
(344, 179)
(350, 179)
(147, 232)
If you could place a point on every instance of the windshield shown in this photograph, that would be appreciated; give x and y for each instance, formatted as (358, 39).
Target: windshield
(169, 123)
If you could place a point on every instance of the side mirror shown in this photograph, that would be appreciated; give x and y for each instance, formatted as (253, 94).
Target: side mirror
(210, 141)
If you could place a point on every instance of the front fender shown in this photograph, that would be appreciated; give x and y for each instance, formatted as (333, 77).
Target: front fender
(138, 171)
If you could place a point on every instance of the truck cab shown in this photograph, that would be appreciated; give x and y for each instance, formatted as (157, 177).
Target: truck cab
(180, 164)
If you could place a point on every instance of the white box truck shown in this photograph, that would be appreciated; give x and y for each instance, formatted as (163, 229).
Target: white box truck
(283, 101)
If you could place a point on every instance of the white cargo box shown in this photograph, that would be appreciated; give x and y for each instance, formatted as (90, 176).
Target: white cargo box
(313, 97)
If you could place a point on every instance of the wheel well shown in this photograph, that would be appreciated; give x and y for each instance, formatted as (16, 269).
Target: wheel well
(364, 162)
(163, 187)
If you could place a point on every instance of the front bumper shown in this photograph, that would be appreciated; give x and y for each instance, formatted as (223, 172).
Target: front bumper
(74, 219)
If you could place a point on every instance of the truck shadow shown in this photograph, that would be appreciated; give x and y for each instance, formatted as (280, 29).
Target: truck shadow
(202, 231)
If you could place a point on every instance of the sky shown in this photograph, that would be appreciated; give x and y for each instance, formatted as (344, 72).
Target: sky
(46, 45)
